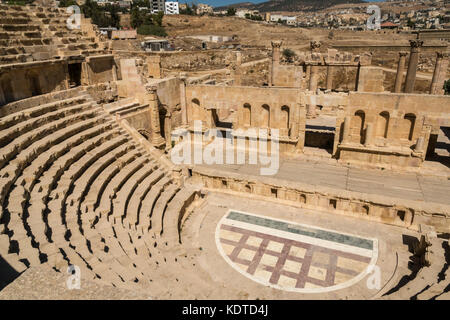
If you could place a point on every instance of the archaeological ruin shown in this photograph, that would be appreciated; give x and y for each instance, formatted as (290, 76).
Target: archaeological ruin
(89, 134)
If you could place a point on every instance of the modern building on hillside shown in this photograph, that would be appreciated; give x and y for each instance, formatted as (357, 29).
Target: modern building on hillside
(157, 5)
(171, 7)
(204, 9)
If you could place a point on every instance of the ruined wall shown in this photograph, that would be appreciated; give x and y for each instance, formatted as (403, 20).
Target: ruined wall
(287, 76)
(20, 81)
(169, 99)
(370, 80)
(195, 60)
(265, 104)
(388, 210)
(390, 129)
(101, 69)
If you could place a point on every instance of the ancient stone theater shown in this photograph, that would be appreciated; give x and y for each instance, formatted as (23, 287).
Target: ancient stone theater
(141, 180)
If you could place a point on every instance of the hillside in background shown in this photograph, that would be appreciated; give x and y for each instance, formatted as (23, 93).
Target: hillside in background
(289, 5)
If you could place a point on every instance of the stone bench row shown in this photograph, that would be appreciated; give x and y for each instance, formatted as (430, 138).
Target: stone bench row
(36, 102)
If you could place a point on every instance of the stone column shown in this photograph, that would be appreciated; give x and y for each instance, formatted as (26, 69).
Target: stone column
(419, 144)
(114, 72)
(330, 77)
(294, 121)
(314, 46)
(412, 65)
(237, 69)
(85, 74)
(368, 141)
(400, 71)
(238, 58)
(346, 129)
(184, 116)
(313, 78)
(440, 72)
(276, 45)
(156, 139)
(67, 76)
(154, 66)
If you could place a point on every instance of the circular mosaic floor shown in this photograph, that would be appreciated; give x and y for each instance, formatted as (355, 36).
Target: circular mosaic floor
(291, 256)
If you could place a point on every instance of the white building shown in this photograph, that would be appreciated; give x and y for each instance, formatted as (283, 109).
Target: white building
(291, 21)
(171, 7)
(242, 12)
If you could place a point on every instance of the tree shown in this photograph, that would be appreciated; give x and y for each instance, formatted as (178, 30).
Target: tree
(158, 18)
(288, 54)
(155, 30)
(136, 18)
(101, 16)
(67, 3)
(447, 87)
(231, 12)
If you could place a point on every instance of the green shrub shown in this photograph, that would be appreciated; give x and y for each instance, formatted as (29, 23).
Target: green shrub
(150, 29)
(447, 87)
(67, 3)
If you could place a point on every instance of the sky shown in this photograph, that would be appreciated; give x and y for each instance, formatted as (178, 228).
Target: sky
(218, 3)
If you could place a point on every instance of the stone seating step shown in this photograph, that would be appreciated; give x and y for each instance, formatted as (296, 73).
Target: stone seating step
(92, 200)
(139, 194)
(26, 35)
(117, 182)
(15, 42)
(163, 201)
(23, 141)
(82, 143)
(11, 21)
(15, 125)
(82, 185)
(16, 166)
(19, 27)
(13, 14)
(173, 216)
(45, 160)
(31, 150)
(15, 58)
(35, 102)
(122, 200)
(76, 170)
(149, 202)
(442, 283)
(427, 276)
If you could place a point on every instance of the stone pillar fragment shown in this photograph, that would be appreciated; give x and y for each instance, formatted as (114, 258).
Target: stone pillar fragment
(184, 115)
(368, 141)
(440, 72)
(419, 144)
(412, 65)
(237, 69)
(313, 78)
(346, 129)
(156, 138)
(295, 124)
(276, 45)
(154, 66)
(330, 73)
(400, 71)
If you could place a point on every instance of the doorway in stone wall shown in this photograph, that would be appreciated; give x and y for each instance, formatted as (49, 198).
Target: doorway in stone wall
(319, 136)
(438, 151)
(74, 75)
